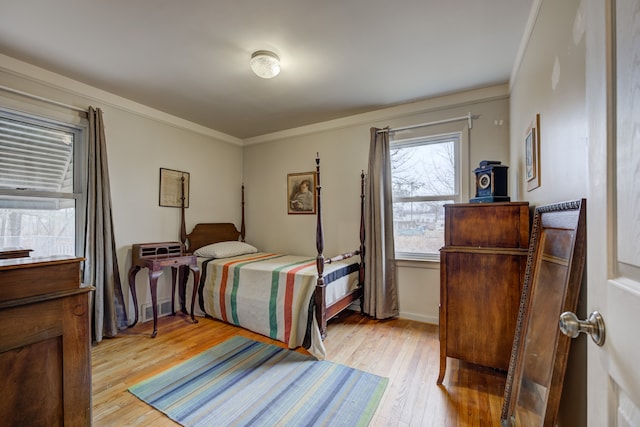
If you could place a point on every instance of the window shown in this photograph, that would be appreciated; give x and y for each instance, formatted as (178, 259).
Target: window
(41, 181)
(425, 176)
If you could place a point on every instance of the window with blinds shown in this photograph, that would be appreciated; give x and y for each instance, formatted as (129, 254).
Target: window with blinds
(39, 187)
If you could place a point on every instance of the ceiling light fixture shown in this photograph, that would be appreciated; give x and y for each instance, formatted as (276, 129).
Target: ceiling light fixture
(265, 64)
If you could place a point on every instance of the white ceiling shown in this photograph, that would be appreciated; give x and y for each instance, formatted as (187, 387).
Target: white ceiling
(190, 58)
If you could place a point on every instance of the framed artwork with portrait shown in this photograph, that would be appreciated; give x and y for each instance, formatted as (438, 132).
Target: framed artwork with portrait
(301, 193)
(532, 154)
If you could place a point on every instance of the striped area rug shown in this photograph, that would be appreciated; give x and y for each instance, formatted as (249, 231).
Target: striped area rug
(242, 382)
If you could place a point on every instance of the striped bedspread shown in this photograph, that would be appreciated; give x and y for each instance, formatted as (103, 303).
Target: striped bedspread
(271, 294)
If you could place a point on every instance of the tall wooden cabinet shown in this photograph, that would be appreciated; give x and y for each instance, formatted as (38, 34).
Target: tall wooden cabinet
(45, 349)
(482, 267)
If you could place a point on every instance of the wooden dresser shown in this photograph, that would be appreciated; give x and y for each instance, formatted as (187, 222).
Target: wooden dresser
(45, 349)
(482, 267)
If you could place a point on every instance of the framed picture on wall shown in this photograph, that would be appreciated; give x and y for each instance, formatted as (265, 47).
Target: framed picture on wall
(301, 195)
(532, 154)
(174, 185)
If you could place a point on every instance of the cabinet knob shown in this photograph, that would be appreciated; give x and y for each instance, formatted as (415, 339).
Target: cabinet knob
(79, 310)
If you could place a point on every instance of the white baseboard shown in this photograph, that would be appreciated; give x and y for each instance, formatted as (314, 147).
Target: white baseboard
(433, 320)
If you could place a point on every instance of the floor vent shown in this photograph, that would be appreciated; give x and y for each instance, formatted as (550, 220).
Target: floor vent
(164, 309)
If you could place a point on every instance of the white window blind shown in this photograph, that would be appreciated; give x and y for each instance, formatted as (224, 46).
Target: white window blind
(35, 157)
(41, 195)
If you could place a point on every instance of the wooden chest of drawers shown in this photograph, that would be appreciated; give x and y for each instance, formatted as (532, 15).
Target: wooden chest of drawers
(45, 358)
(482, 267)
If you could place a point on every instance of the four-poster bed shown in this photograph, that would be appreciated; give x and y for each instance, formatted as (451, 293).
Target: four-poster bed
(286, 297)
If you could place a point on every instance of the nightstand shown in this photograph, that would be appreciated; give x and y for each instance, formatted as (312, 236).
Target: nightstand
(155, 257)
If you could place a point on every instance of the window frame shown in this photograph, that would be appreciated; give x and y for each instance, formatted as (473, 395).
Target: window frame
(461, 178)
(79, 128)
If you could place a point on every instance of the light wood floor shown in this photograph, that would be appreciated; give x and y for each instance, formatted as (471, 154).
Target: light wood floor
(404, 351)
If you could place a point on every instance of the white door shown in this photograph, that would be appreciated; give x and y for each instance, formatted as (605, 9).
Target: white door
(613, 215)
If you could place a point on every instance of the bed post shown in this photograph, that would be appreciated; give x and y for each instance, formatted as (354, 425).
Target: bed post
(183, 270)
(183, 227)
(321, 315)
(362, 239)
(242, 229)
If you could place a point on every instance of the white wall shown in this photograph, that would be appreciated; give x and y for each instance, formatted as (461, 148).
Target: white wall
(551, 81)
(140, 141)
(138, 147)
(344, 149)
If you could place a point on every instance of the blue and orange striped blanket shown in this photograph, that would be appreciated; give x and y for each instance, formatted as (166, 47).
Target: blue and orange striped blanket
(272, 294)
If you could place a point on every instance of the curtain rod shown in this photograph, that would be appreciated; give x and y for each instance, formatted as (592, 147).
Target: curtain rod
(40, 98)
(468, 117)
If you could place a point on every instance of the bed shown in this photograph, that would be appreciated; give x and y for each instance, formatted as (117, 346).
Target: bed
(282, 296)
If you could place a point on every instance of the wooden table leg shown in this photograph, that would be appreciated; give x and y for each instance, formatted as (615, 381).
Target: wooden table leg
(174, 270)
(194, 293)
(132, 286)
(182, 287)
(153, 283)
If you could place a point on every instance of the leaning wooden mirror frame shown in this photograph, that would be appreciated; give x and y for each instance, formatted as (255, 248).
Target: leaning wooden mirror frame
(552, 282)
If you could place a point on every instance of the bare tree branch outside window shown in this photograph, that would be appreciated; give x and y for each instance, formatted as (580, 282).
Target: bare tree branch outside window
(424, 178)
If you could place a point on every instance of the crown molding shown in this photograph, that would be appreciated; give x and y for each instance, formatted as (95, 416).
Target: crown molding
(528, 31)
(83, 92)
(374, 118)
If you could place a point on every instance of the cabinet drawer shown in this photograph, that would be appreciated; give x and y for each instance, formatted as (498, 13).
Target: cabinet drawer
(497, 225)
(28, 277)
(481, 297)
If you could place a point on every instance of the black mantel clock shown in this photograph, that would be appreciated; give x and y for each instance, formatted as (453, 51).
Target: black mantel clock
(491, 182)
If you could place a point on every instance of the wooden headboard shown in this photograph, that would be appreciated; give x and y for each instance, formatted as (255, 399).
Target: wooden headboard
(207, 233)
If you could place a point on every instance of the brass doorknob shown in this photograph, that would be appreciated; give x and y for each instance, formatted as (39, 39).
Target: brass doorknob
(571, 326)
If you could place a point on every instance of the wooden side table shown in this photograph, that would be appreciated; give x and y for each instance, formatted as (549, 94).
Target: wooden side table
(155, 264)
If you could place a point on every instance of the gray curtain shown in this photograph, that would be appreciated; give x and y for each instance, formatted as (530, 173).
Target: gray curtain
(101, 265)
(380, 289)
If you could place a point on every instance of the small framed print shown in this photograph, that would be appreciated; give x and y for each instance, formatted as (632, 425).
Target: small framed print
(532, 154)
(301, 193)
(174, 188)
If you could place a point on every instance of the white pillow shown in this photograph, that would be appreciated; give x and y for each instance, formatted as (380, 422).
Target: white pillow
(225, 250)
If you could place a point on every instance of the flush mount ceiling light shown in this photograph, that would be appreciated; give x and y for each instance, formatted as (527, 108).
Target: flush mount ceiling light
(265, 64)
